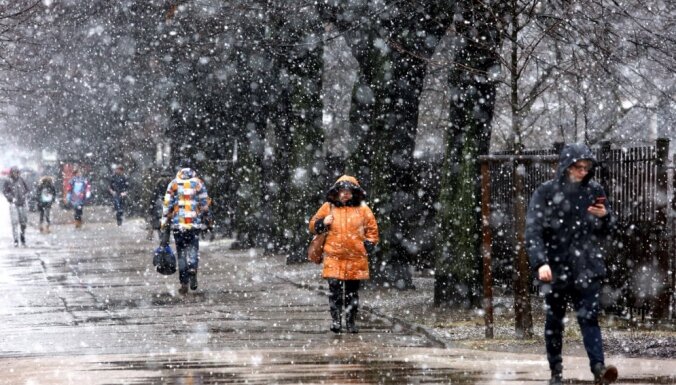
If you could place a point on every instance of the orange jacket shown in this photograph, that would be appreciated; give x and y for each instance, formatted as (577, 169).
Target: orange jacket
(345, 256)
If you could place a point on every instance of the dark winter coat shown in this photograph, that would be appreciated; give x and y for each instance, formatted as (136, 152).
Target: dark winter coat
(118, 184)
(45, 194)
(559, 229)
(16, 191)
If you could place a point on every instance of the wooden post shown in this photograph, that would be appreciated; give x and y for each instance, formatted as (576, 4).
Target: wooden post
(522, 308)
(486, 246)
(661, 308)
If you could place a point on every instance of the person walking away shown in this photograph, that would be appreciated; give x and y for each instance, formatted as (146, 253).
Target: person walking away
(118, 188)
(156, 203)
(79, 192)
(185, 201)
(568, 221)
(352, 233)
(16, 191)
(45, 194)
(208, 222)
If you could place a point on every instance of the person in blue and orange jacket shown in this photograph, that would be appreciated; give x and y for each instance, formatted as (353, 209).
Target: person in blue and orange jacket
(185, 202)
(79, 191)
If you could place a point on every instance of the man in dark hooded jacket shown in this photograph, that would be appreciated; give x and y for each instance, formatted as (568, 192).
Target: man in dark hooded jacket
(568, 221)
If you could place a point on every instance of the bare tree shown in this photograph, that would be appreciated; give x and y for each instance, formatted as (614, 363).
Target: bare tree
(586, 71)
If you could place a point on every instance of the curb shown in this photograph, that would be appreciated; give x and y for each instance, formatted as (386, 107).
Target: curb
(414, 327)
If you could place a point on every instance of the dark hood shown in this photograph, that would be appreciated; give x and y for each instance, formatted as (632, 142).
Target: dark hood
(570, 154)
(346, 182)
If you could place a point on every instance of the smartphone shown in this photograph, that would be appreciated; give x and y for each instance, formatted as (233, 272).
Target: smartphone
(600, 201)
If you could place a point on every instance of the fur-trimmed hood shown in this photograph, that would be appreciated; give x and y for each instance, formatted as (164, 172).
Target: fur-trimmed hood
(346, 182)
(46, 181)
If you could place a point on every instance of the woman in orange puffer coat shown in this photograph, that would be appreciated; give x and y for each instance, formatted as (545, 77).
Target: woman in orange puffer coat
(352, 236)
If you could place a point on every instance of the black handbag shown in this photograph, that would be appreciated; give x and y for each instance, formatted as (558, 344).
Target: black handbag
(164, 260)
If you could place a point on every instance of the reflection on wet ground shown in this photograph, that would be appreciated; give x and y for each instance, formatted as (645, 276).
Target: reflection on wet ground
(85, 307)
(295, 369)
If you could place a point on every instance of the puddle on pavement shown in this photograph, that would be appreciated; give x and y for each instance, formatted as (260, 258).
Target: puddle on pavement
(292, 370)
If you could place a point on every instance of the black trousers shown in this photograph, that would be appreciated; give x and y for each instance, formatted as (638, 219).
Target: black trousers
(585, 302)
(44, 213)
(343, 295)
(77, 211)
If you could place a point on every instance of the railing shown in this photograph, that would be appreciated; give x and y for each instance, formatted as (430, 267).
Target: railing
(636, 181)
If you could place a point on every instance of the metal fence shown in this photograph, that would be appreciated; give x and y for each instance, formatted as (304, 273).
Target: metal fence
(641, 277)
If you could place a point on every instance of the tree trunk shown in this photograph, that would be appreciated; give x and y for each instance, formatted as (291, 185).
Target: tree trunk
(458, 260)
(305, 191)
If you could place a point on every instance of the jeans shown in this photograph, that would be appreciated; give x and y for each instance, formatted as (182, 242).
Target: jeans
(118, 204)
(187, 251)
(585, 302)
(19, 219)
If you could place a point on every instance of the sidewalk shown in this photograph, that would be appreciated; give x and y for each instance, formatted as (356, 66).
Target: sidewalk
(453, 328)
(85, 307)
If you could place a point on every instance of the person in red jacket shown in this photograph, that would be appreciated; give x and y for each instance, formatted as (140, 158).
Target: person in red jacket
(79, 192)
(352, 233)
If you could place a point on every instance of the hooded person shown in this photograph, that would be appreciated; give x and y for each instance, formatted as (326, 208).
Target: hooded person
(45, 194)
(352, 233)
(568, 221)
(185, 200)
(16, 191)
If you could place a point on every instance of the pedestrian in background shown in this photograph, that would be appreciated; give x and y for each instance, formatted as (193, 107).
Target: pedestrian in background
(568, 222)
(185, 201)
(16, 191)
(156, 203)
(118, 188)
(79, 191)
(352, 233)
(45, 194)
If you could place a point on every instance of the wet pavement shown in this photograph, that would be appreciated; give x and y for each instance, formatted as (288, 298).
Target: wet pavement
(85, 307)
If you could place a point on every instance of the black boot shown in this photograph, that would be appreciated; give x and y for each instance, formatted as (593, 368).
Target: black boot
(192, 273)
(557, 376)
(556, 379)
(350, 321)
(335, 303)
(335, 321)
(352, 299)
